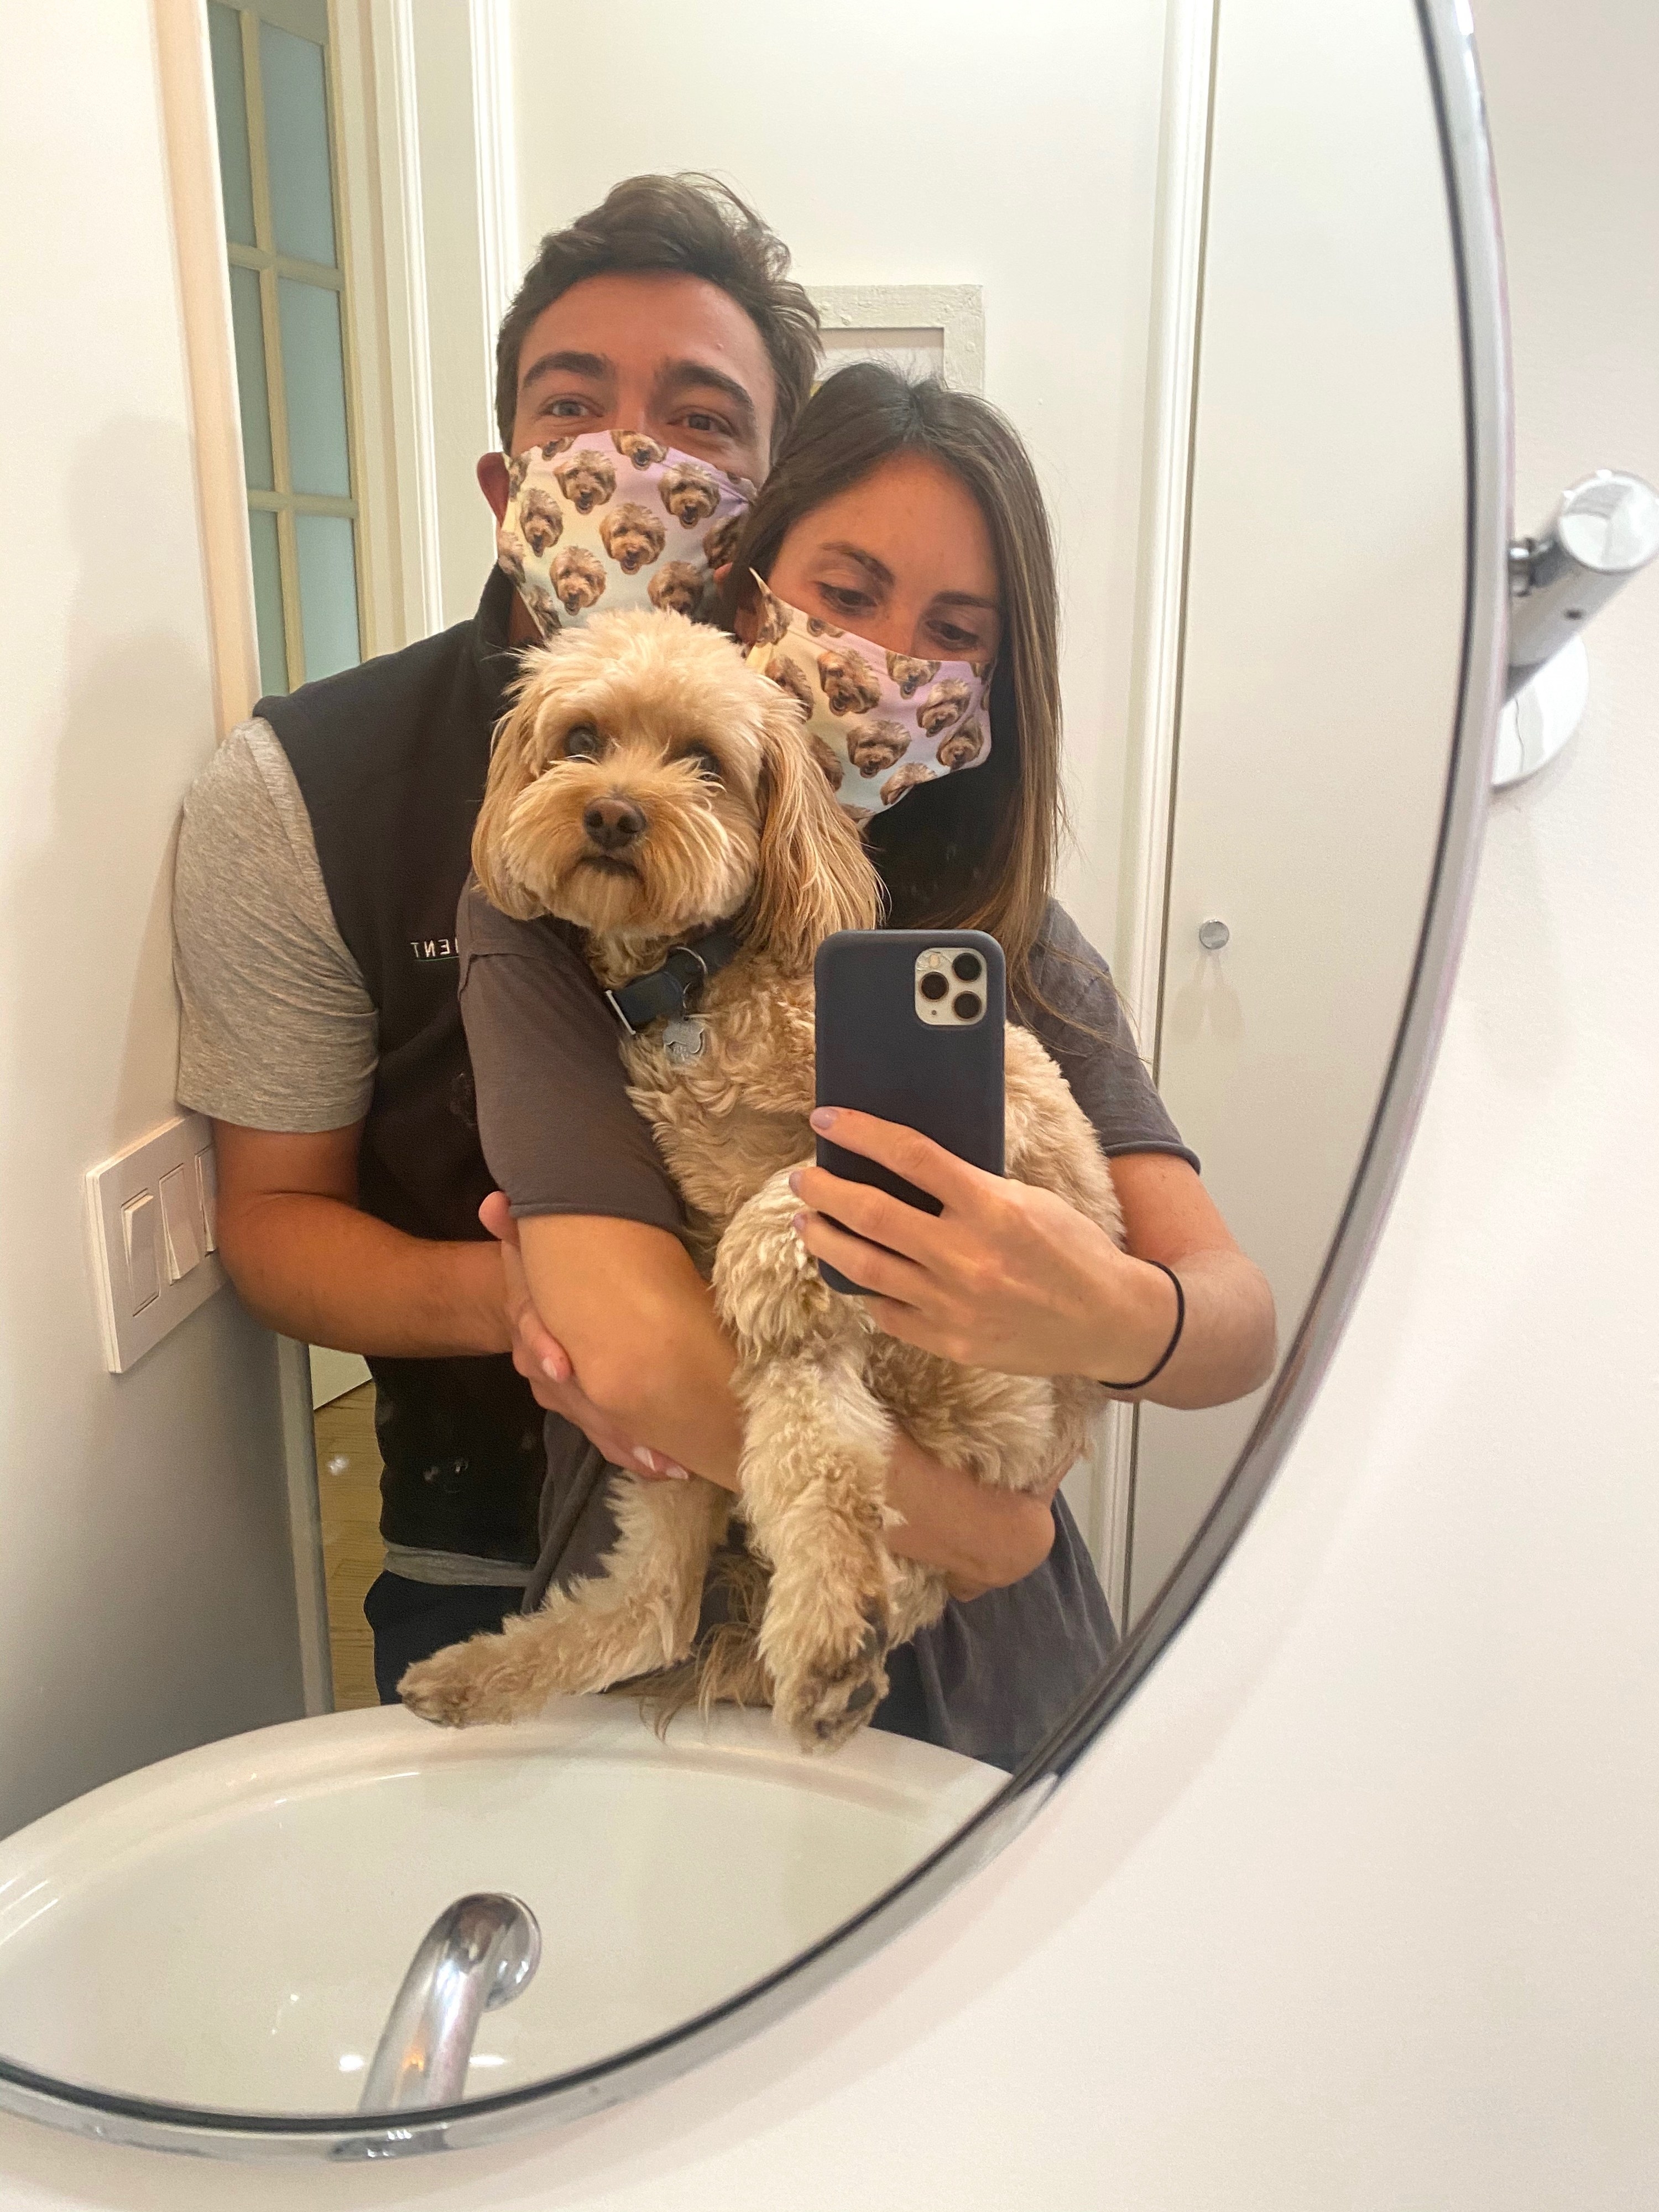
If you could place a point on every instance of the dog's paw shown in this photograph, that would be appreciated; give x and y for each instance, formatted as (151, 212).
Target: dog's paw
(830, 1692)
(464, 1686)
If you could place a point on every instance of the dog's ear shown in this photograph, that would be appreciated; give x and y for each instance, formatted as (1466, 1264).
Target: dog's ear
(814, 876)
(515, 761)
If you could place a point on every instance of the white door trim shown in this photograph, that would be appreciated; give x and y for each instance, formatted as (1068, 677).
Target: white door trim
(489, 24)
(1149, 791)
(185, 68)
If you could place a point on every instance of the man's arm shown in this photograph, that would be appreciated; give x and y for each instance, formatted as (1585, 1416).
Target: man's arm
(309, 1264)
(639, 1326)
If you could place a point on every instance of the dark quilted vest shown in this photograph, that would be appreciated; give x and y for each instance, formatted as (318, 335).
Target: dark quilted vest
(390, 759)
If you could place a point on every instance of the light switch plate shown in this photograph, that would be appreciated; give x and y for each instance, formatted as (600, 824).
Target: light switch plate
(178, 1156)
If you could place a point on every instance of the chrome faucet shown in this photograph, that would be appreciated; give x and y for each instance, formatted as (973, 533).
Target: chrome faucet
(476, 1955)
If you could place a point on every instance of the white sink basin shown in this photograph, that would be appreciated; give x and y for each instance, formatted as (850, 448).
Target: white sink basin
(227, 1929)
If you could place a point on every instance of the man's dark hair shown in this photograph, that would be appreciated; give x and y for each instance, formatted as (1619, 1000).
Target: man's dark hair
(696, 226)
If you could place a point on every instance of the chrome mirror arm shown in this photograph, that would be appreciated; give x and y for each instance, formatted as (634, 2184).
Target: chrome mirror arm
(1606, 530)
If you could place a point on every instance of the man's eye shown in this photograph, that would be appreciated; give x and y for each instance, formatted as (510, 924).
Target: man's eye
(709, 426)
(564, 407)
(583, 743)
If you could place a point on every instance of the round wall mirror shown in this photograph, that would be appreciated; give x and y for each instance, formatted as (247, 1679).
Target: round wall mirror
(1229, 275)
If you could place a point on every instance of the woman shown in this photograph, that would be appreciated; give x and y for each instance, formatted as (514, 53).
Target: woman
(903, 523)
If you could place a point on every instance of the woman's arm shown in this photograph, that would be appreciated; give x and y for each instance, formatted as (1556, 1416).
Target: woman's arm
(649, 1365)
(1013, 1278)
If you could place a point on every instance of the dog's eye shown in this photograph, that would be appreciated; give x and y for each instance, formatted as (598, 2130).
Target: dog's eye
(582, 743)
(703, 761)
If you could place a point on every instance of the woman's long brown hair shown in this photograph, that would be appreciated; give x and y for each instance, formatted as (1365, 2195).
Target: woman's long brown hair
(975, 850)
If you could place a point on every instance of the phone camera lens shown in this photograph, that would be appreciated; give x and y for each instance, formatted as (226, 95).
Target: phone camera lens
(933, 986)
(965, 968)
(966, 1006)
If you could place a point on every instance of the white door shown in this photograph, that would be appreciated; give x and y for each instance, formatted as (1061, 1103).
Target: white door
(1327, 508)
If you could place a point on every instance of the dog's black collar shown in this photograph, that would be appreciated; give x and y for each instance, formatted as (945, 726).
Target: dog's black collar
(674, 987)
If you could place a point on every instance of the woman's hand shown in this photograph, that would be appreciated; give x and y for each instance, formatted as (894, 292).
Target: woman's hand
(544, 1363)
(1007, 1277)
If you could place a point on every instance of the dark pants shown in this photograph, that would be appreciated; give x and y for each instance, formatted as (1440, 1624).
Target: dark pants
(411, 1620)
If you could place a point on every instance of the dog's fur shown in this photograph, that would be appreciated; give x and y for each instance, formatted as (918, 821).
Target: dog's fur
(586, 479)
(638, 448)
(962, 747)
(689, 494)
(850, 685)
(909, 673)
(678, 585)
(945, 704)
(578, 578)
(873, 746)
(541, 518)
(760, 838)
(906, 779)
(632, 536)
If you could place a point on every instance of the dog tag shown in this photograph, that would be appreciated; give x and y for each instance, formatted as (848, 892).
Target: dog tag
(684, 1037)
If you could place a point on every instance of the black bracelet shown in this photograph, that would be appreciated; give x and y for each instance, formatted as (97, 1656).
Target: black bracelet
(1169, 1348)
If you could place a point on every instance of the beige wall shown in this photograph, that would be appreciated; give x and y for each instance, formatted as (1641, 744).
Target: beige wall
(147, 1599)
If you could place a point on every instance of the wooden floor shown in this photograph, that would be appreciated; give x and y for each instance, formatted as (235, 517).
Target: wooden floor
(348, 1484)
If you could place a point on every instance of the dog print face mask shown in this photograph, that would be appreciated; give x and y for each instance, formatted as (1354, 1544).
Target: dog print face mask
(879, 723)
(612, 519)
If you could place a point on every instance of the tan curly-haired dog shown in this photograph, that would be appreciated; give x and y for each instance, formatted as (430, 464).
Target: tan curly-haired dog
(850, 684)
(632, 536)
(643, 452)
(578, 578)
(738, 826)
(873, 746)
(720, 542)
(945, 704)
(586, 479)
(962, 747)
(689, 494)
(786, 671)
(909, 673)
(541, 518)
(906, 779)
(678, 585)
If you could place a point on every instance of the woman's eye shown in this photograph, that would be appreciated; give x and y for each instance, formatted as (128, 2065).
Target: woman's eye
(582, 743)
(844, 602)
(964, 644)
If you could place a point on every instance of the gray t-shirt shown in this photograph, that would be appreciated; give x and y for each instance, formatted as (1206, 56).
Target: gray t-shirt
(277, 1030)
(559, 1137)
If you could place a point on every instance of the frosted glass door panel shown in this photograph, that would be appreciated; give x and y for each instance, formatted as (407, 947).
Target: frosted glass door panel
(328, 593)
(248, 323)
(296, 136)
(314, 370)
(267, 602)
(230, 108)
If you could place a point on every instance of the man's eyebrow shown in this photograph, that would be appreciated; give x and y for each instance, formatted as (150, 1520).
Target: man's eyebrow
(593, 366)
(675, 377)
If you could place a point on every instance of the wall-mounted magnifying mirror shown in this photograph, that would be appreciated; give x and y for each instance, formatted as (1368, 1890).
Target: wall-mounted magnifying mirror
(1107, 423)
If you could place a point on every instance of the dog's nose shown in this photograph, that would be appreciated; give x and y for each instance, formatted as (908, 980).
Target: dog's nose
(612, 823)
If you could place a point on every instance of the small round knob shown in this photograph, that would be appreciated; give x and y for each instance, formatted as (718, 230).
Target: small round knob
(1213, 935)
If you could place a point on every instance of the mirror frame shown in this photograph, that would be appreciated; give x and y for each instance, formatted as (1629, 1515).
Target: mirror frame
(1447, 40)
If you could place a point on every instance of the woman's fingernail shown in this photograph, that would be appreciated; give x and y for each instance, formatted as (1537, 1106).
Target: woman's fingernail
(676, 1473)
(824, 1117)
(553, 1370)
(799, 1224)
(645, 1459)
(794, 1182)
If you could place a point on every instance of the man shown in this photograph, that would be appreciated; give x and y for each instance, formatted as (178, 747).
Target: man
(322, 856)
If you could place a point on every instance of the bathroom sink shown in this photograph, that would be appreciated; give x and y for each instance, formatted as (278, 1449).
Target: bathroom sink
(227, 1929)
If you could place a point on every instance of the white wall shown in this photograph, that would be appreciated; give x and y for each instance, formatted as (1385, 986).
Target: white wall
(147, 1598)
(876, 142)
(1355, 1907)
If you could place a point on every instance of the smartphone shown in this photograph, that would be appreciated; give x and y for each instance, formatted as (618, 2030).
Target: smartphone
(910, 1028)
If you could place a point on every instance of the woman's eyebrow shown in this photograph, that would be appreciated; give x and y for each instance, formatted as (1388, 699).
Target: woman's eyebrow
(966, 599)
(878, 570)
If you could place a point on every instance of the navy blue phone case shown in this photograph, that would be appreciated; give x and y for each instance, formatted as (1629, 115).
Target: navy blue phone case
(877, 1054)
